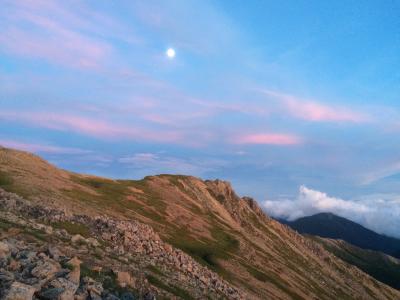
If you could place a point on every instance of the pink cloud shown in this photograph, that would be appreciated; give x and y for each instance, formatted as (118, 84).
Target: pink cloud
(268, 139)
(72, 36)
(92, 127)
(37, 148)
(60, 46)
(314, 111)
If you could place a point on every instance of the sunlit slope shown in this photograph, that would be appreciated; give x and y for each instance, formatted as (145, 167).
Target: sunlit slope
(206, 219)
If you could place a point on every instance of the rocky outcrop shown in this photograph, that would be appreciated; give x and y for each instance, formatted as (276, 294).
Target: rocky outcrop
(128, 240)
(31, 272)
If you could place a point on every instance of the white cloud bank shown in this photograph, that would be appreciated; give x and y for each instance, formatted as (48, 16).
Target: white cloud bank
(380, 213)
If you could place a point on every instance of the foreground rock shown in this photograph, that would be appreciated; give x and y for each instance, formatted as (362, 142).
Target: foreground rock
(20, 291)
(41, 269)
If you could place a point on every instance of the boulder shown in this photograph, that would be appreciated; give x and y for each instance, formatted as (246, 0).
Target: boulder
(54, 252)
(94, 288)
(93, 242)
(46, 269)
(69, 288)
(51, 293)
(6, 276)
(5, 250)
(149, 296)
(77, 238)
(75, 273)
(20, 291)
(14, 265)
(168, 248)
(127, 296)
(125, 279)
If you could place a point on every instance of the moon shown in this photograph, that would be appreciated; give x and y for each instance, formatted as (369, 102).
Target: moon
(170, 53)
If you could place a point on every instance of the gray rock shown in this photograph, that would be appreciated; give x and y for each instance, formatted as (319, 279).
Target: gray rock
(20, 291)
(111, 297)
(26, 255)
(95, 289)
(46, 269)
(69, 288)
(127, 296)
(51, 293)
(62, 273)
(6, 276)
(149, 296)
(54, 253)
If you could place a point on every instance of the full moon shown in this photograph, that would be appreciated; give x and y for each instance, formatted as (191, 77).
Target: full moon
(170, 53)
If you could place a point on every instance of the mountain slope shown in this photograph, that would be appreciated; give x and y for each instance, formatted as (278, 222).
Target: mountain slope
(331, 226)
(381, 266)
(224, 233)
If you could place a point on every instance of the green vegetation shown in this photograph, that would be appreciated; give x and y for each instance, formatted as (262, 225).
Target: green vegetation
(257, 274)
(5, 180)
(177, 291)
(113, 195)
(155, 270)
(8, 184)
(73, 228)
(66, 265)
(274, 279)
(5, 225)
(206, 251)
(37, 234)
(371, 262)
(108, 279)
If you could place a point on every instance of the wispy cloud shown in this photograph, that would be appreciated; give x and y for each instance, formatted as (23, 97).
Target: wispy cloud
(370, 177)
(40, 148)
(268, 139)
(32, 31)
(91, 126)
(314, 111)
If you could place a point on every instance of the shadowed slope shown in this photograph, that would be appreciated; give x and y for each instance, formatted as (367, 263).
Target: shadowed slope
(335, 227)
(381, 266)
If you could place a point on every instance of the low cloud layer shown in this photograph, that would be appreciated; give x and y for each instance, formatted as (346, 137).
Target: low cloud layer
(380, 213)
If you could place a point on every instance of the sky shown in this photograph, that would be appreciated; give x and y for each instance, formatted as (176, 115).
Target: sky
(278, 97)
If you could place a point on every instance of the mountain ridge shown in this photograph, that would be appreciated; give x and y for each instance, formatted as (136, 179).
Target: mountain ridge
(329, 225)
(227, 234)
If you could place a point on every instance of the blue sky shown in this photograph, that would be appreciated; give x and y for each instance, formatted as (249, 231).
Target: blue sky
(269, 95)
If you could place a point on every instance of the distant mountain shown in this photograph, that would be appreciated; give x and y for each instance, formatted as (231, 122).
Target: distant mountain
(331, 226)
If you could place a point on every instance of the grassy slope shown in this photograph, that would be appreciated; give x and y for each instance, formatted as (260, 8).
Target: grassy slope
(379, 265)
(206, 220)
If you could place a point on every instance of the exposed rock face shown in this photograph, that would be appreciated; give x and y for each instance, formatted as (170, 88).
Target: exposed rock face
(41, 272)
